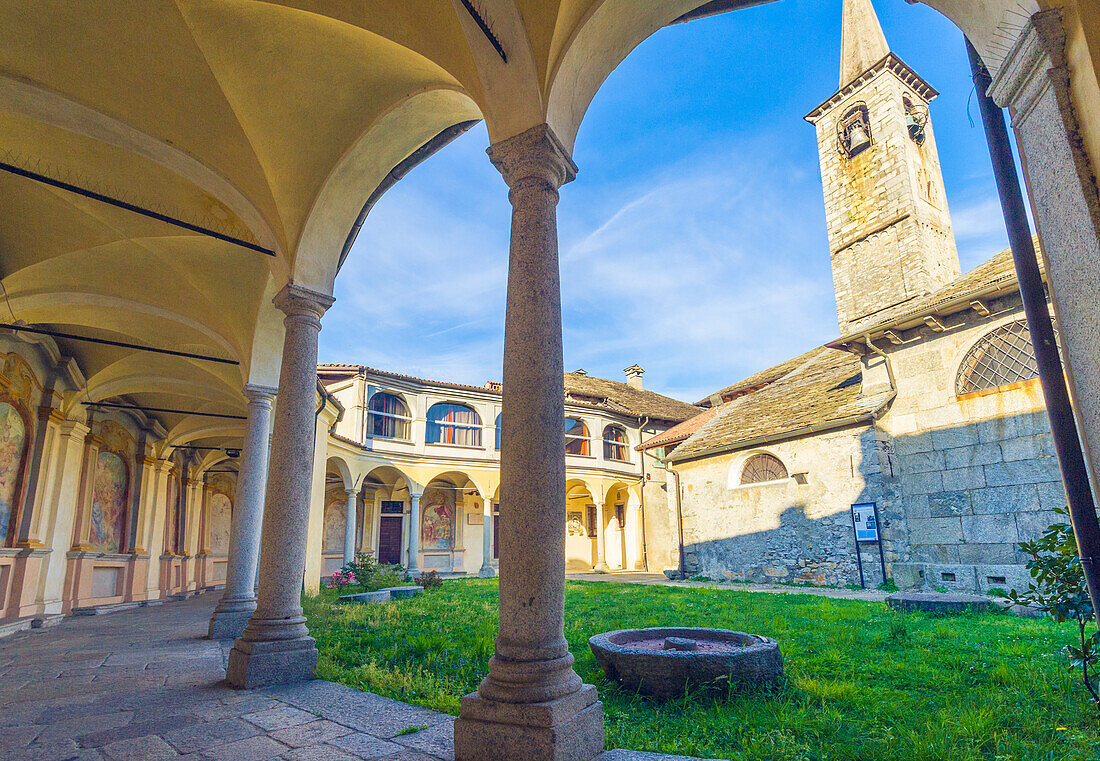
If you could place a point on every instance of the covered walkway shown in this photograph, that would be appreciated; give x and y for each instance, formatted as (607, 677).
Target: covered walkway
(145, 684)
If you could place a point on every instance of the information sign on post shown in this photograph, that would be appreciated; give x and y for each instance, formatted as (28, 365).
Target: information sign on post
(865, 529)
(866, 525)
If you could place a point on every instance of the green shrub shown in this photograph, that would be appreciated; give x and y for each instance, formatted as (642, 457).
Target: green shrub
(1059, 589)
(371, 576)
(430, 580)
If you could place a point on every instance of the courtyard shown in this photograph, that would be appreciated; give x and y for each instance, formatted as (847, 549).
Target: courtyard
(192, 185)
(862, 682)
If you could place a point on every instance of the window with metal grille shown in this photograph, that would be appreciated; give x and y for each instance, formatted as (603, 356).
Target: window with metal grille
(1002, 356)
(761, 468)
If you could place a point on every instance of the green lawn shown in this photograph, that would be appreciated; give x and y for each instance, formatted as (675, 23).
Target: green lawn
(862, 682)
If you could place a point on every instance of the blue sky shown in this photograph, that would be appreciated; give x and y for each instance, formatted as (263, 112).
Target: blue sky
(692, 241)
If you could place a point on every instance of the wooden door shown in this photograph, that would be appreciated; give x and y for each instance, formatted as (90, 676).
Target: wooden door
(389, 539)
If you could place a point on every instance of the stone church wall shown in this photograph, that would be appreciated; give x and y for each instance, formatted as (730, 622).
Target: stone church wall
(786, 531)
(976, 473)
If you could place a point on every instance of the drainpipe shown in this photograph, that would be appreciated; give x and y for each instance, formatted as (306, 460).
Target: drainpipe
(1063, 427)
(885, 358)
(680, 521)
(645, 558)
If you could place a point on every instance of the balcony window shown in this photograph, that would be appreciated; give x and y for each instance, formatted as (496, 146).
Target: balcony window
(388, 417)
(498, 432)
(454, 424)
(615, 443)
(576, 437)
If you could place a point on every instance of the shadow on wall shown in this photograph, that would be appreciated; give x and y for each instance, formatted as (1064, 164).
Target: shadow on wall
(953, 503)
(802, 550)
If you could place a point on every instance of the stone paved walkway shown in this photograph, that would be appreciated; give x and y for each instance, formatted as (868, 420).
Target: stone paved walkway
(145, 684)
(657, 579)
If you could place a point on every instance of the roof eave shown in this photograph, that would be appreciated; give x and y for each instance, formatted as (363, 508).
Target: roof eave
(830, 425)
(915, 319)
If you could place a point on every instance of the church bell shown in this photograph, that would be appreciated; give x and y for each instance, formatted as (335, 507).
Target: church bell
(858, 139)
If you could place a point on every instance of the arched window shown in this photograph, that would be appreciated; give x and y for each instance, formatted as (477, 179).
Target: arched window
(454, 424)
(576, 437)
(1002, 356)
(498, 432)
(614, 443)
(388, 417)
(761, 468)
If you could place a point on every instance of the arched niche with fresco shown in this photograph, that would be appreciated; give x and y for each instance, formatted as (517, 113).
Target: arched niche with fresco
(18, 390)
(109, 511)
(220, 513)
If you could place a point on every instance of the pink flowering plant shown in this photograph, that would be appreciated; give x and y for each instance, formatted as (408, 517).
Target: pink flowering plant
(341, 579)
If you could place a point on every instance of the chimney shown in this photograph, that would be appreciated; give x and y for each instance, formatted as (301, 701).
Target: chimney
(634, 376)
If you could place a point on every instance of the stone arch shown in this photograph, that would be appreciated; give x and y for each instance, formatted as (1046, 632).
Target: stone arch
(605, 35)
(19, 388)
(338, 466)
(390, 139)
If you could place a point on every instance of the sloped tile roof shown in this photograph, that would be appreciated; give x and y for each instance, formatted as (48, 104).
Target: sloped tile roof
(622, 397)
(822, 388)
(995, 275)
(680, 431)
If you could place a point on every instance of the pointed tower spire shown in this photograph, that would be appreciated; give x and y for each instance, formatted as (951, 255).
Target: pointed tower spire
(862, 43)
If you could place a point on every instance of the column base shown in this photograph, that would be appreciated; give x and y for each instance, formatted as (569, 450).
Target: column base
(566, 729)
(601, 568)
(228, 624)
(487, 572)
(259, 664)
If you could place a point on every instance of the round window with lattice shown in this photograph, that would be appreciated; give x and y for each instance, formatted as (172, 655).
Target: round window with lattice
(761, 468)
(1002, 356)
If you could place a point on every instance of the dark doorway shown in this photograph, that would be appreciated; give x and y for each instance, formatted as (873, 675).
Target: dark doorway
(389, 537)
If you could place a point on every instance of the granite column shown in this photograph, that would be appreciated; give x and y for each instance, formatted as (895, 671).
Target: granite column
(239, 599)
(349, 527)
(487, 571)
(275, 646)
(414, 532)
(532, 706)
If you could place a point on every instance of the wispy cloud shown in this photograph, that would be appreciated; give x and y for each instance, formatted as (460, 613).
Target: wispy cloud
(702, 272)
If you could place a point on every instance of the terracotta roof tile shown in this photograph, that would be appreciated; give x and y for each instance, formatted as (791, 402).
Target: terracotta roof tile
(680, 431)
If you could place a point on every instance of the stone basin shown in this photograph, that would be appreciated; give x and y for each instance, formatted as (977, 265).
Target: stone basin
(667, 662)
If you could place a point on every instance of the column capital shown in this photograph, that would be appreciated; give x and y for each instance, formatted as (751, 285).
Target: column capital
(295, 301)
(73, 428)
(351, 491)
(1023, 76)
(257, 394)
(535, 155)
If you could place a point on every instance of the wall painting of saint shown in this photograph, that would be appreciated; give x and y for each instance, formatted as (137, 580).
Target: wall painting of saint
(13, 439)
(109, 492)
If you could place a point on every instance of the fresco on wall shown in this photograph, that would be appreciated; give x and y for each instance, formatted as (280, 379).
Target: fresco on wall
(173, 527)
(221, 515)
(336, 515)
(13, 439)
(437, 522)
(108, 503)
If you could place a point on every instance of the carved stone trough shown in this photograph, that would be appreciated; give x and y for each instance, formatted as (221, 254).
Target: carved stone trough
(667, 662)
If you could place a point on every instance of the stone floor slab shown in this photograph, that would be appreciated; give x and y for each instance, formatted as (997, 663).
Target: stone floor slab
(362, 745)
(148, 748)
(279, 717)
(313, 733)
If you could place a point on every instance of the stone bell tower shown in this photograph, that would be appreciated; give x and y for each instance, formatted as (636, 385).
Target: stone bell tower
(890, 234)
